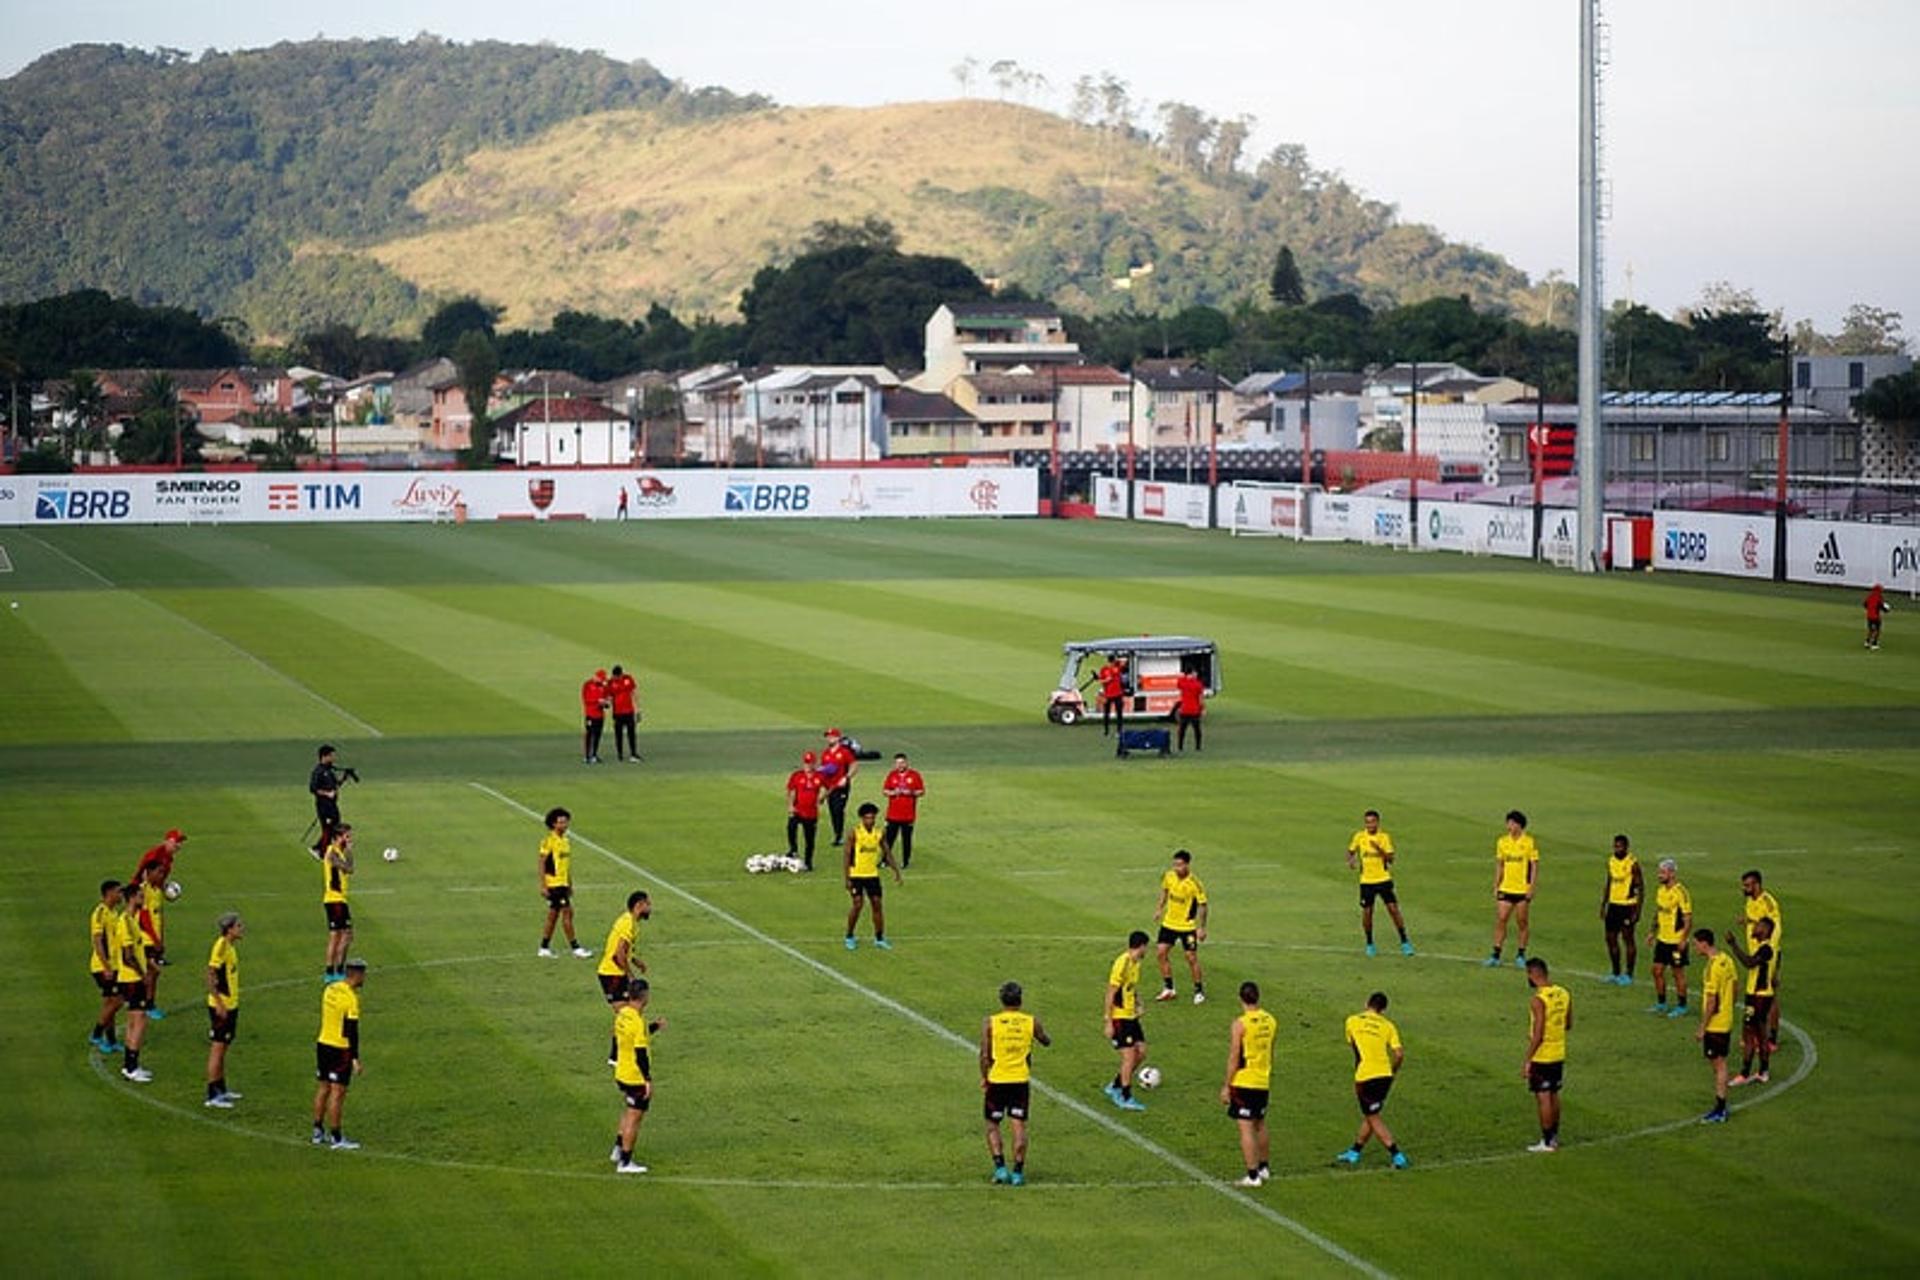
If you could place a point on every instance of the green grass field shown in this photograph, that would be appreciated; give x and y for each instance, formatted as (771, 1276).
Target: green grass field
(818, 1110)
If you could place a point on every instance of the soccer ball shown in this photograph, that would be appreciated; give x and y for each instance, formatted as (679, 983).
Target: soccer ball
(390, 853)
(172, 890)
(756, 863)
(1147, 1077)
(794, 865)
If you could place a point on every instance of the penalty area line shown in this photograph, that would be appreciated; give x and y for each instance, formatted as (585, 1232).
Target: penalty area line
(1192, 1172)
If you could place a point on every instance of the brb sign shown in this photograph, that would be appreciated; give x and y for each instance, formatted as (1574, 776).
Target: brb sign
(766, 499)
(82, 504)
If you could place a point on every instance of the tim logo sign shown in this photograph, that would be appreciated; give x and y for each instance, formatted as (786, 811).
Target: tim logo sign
(754, 498)
(82, 504)
(319, 496)
(984, 495)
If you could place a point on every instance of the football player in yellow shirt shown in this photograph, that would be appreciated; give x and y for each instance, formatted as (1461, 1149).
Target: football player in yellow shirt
(1753, 1034)
(867, 851)
(1621, 895)
(1120, 1020)
(1006, 1048)
(1551, 1012)
(1377, 1058)
(223, 1005)
(1673, 921)
(1370, 852)
(337, 1054)
(103, 929)
(1716, 1019)
(1761, 903)
(1249, 1080)
(130, 971)
(336, 869)
(1182, 912)
(555, 865)
(1516, 873)
(633, 1071)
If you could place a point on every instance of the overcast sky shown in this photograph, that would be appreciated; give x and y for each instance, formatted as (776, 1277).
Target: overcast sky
(1766, 143)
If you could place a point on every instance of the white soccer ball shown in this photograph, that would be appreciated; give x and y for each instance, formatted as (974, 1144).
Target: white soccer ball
(390, 854)
(172, 890)
(756, 863)
(1147, 1077)
(794, 865)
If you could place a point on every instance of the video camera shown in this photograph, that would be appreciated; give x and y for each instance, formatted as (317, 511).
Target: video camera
(347, 772)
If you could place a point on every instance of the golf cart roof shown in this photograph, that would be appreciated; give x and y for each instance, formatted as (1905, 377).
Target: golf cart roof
(1140, 644)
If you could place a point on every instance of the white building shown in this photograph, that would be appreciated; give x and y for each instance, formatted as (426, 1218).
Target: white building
(564, 432)
(991, 337)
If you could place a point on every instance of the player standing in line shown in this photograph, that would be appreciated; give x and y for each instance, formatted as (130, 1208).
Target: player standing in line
(1753, 1036)
(1373, 849)
(555, 863)
(621, 958)
(1182, 910)
(1877, 607)
(593, 706)
(1120, 1019)
(1673, 920)
(223, 1005)
(1716, 1020)
(1761, 905)
(1192, 707)
(323, 784)
(103, 962)
(1006, 1069)
(1377, 1058)
(1620, 898)
(1249, 1077)
(1113, 695)
(337, 1055)
(1551, 1011)
(866, 852)
(622, 690)
(131, 973)
(150, 910)
(903, 788)
(1516, 874)
(804, 786)
(633, 1071)
(336, 869)
(838, 765)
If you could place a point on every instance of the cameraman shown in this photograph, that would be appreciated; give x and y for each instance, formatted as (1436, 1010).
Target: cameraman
(324, 783)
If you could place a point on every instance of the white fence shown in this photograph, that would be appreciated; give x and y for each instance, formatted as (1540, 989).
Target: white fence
(1854, 555)
(1709, 542)
(294, 497)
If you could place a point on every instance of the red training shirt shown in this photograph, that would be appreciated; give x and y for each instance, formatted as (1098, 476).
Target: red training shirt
(803, 792)
(903, 789)
(160, 855)
(837, 763)
(1113, 681)
(1876, 604)
(593, 698)
(1191, 694)
(622, 687)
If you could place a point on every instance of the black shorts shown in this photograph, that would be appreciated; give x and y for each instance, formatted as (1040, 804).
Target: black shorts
(1545, 1077)
(1127, 1032)
(1006, 1101)
(1185, 937)
(1716, 1044)
(868, 885)
(1512, 897)
(333, 1065)
(633, 1095)
(559, 896)
(1382, 890)
(326, 810)
(1758, 1007)
(1246, 1104)
(221, 1028)
(134, 996)
(1620, 917)
(1671, 954)
(338, 917)
(107, 984)
(613, 986)
(1372, 1094)
(156, 954)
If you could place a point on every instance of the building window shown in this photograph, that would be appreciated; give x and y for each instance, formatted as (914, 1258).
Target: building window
(1802, 374)
(1513, 447)
(1643, 444)
(1769, 446)
(1846, 446)
(1856, 375)
(1719, 446)
(1122, 397)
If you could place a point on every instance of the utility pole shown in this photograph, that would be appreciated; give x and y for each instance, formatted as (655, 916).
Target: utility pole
(1589, 450)
(1780, 449)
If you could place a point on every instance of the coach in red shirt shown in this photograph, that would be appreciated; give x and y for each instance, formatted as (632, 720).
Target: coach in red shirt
(1876, 605)
(1192, 706)
(804, 786)
(621, 690)
(593, 704)
(1113, 695)
(903, 789)
(161, 855)
(838, 765)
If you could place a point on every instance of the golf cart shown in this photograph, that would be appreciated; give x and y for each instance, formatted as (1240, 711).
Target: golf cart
(1154, 663)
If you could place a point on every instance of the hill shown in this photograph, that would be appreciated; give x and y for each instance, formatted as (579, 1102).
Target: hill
(352, 181)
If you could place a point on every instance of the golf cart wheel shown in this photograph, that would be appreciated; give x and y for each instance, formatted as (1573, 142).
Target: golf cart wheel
(1066, 714)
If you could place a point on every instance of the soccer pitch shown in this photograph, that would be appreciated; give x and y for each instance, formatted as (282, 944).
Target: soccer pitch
(818, 1110)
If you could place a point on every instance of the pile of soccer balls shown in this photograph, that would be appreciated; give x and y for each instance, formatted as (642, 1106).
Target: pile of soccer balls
(759, 863)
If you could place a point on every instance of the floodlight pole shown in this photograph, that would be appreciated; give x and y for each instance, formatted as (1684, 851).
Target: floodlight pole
(1592, 314)
(1780, 461)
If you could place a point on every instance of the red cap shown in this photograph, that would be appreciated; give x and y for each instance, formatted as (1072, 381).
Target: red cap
(176, 835)
(600, 674)
(833, 733)
(806, 757)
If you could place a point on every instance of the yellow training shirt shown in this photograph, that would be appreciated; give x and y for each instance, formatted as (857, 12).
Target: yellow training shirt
(225, 963)
(1010, 1037)
(1764, 907)
(1375, 1038)
(624, 930)
(556, 861)
(1719, 983)
(334, 879)
(153, 900)
(1674, 905)
(129, 952)
(1125, 975)
(1760, 972)
(629, 1035)
(1256, 1050)
(1185, 897)
(1553, 1036)
(1517, 857)
(101, 931)
(339, 1005)
(1620, 881)
(1373, 850)
(866, 852)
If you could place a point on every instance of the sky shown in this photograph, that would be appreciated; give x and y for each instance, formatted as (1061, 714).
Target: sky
(1768, 144)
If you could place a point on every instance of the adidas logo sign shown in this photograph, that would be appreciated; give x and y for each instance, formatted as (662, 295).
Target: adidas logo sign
(1828, 563)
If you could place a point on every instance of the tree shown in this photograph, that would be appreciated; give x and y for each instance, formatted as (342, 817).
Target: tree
(161, 430)
(964, 71)
(871, 232)
(1284, 285)
(1229, 140)
(1085, 100)
(1893, 402)
(1184, 131)
(474, 357)
(1006, 75)
(454, 321)
(289, 444)
(83, 403)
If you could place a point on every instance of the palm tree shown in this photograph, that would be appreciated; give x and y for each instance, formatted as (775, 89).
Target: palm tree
(84, 404)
